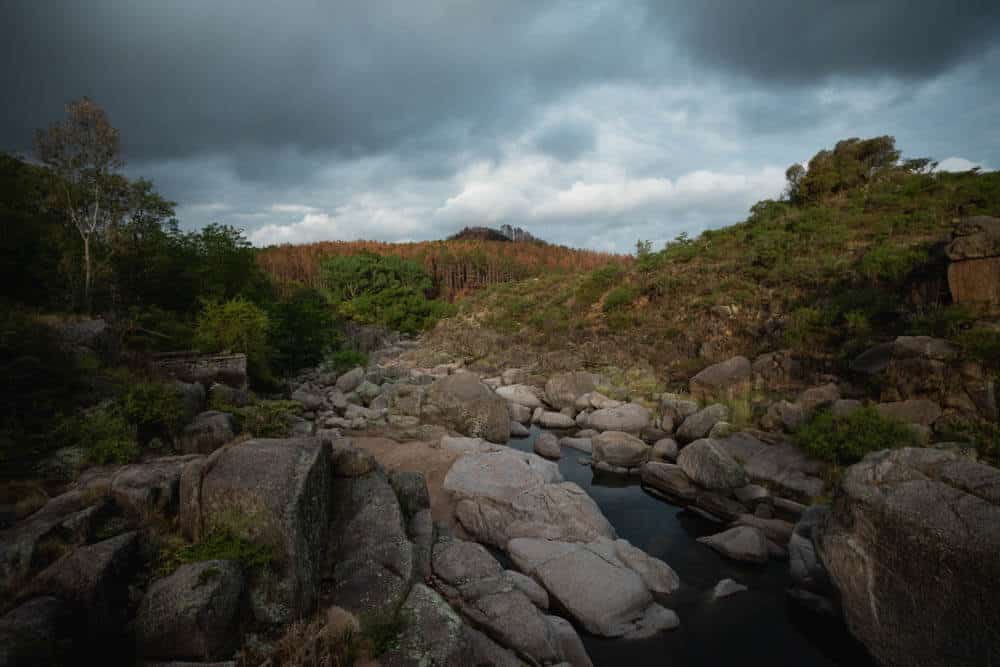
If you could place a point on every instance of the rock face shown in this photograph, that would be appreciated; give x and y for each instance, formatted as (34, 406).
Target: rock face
(563, 389)
(555, 420)
(708, 464)
(146, 489)
(372, 558)
(469, 406)
(38, 632)
(913, 411)
(630, 417)
(507, 494)
(275, 493)
(911, 545)
(727, 379)
(781, 466)
(604, 585)
(617, 448)
(192, 614)
(699, 424)
(974, 273)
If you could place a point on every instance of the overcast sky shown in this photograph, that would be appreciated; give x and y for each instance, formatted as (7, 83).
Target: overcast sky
(588, 123)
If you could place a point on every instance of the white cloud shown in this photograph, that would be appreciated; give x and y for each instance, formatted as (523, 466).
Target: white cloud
(959, 164)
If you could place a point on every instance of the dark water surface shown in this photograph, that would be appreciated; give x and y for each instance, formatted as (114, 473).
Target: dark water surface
(757, 627)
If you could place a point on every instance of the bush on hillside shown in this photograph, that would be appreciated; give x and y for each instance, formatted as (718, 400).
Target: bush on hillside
(301, 330)
(846, 439)
(237, 325)
(154, 409)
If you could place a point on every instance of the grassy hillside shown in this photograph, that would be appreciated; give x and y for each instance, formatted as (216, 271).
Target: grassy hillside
(826, 273)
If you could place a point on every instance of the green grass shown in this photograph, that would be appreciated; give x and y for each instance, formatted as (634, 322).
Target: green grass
(217, 545)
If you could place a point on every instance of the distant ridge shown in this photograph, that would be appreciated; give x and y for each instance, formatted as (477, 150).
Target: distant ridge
(505, 233)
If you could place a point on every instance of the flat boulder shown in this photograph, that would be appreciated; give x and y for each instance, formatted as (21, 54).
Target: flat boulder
(351, 380)
(726, 379)
(629, 417)
(617, 448)
(521, 394)
(912, 411)
(463, 402)
(275, 493)
(555, 420)
(585, 445)
(505, 494)
(603, 585)
(708, 464)
(742, 543)
(192, 614)
(911, 546)
(149, 489)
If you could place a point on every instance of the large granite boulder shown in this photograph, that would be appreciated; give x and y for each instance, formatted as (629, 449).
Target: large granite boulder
(463, 402)
(149, 489)
(555, 420)
(193, 613)
(273, 492)
(547, 445)
(668, 479)
(708, 464)
(209, 431)
(39, 631)
(617, 448)
(94, 580)
(630, 417)
(911, 545)
(727, 379)
(743, 543)
(563, 389)
(781, 466)
(606, 586)
(507, 493)
(371, 556)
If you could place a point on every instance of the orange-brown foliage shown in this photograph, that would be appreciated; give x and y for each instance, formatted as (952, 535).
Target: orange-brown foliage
(455, 266)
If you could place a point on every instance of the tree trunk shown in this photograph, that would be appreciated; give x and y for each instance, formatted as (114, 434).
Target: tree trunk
(86, 274)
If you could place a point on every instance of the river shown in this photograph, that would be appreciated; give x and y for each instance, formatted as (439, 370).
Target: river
(760, 626)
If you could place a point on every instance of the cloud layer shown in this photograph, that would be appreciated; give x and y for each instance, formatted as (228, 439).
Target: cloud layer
(589, 123)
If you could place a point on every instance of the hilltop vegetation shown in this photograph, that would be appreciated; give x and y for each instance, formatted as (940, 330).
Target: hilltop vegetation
(852, 255)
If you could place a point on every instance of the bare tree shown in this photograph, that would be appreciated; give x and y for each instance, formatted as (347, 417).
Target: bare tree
(83, 152)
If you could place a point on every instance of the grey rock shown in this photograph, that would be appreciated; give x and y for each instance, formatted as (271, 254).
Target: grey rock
(37, 632)
(617, 448)
(584, 445)
(562, 389)
(193, 613)
(145, 490)
(678, 409)
(816, 396)
(725, 588)
(785, 416)
(709, 465)
(699, 424)
(665, 449)
(555, 420)
(469, 406)
(547, 445)
(905, 531)
(273, 492)
(976, 237)
(209, 431)
(519, 413)
(913, 411)
(742, 543)
(723, 380)
(669, 479)
(310, 400)
(518, 430)
(630, 417)
(597, 586)
(350, 380)
(777, 530)
(521, 394)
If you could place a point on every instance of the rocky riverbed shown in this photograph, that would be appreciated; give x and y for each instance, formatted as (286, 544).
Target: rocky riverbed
(522, 518)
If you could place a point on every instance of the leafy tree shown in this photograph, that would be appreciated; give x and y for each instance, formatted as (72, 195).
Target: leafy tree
(237, 325)
(794, 175)
(301, 331)
(83, 153)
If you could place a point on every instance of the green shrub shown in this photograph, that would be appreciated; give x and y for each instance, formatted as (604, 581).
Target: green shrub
(237, 325)
(342, 361)
(889, 263)
(154, 409)
(217, 545)
(104, 432)
(982, 345)
(596, 283)
(619, 298)
(846, 439)
(382, 630)
(806, 329)
(267, 419)
(301, 330)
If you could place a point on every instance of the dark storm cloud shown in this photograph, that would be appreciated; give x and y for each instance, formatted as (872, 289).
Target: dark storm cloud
(566, 140)
(805, 41)
(186, 76)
